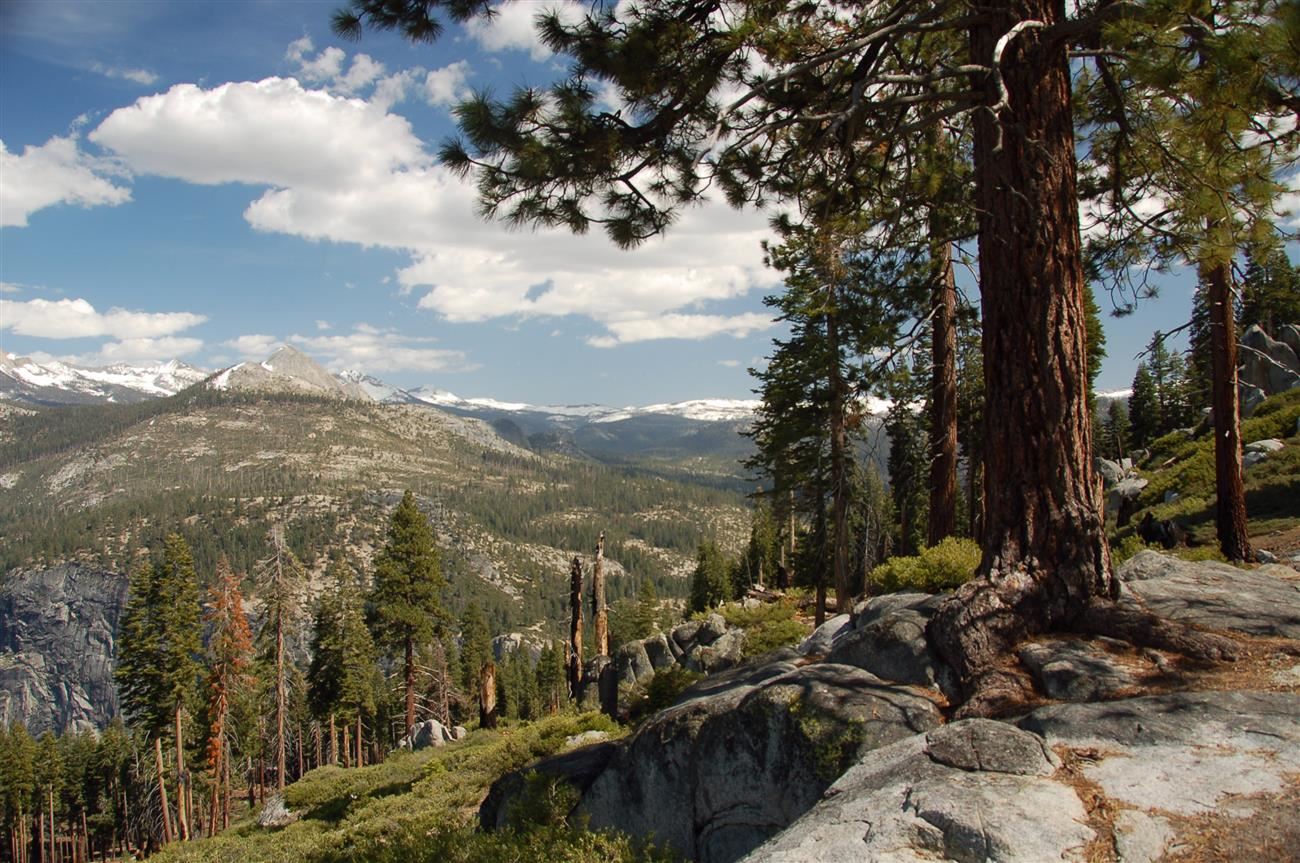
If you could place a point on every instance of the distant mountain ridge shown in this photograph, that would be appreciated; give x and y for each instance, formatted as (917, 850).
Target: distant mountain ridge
(24, 379)
(290, 370)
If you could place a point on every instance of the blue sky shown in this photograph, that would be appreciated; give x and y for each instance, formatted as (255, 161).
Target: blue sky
(206, 181)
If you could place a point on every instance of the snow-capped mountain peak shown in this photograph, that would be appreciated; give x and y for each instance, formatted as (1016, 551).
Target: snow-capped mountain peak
(57, 382)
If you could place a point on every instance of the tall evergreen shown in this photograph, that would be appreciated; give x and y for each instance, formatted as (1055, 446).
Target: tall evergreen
(1116, 428)
(1145, 420)
(158, 653)
(1270, 290)
(341, 676)
(406, 601)
(475, 646)
(230, 644)
(282, 578)
(710, 583)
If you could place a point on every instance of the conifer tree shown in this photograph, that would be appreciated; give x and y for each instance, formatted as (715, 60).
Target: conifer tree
(475, 647)
(1116, 430)
(230, 645)
(407, 596)
(1270, 290)
(1198, 117)
(158, 652)
(1145, 419)
(710, 583)
(18, 784)
(282, 578)
(341, 677)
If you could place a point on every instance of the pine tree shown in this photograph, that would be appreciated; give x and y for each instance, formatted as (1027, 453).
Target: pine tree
(812, 384)
(158, 668)
(1116, 429)
(407, 594)
(230, 645)
(710, 583)
(341, 676)
(904, 428)
(475, 646)
(18, 782)
(1145, 419)
(1270, 291)
(283, 579)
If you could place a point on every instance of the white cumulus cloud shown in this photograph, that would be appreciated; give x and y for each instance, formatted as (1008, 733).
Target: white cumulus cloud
(343, 170)
(447, 86)
(270, 132)
(373, 350)
(254, 346)
(141, 351)
(71, 319)
(512, 25)
(677, 326)
(138, 76)
(57, 172)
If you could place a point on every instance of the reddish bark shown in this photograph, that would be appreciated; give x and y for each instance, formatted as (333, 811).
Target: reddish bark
(943, 399)
(1230, 505)
(1045, 553)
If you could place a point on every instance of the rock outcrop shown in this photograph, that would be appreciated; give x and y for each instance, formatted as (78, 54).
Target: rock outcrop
(985, 790)
(57, 647)
(804, 757)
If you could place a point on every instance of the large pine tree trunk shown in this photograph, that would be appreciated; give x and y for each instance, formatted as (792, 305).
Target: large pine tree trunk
(943, 396)
(1046, 562)
(1045, 553)
(1230, 505)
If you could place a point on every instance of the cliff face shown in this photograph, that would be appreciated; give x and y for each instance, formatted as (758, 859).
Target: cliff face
(57, 647)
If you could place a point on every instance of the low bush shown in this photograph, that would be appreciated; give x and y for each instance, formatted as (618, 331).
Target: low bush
(941, 567)
(767, 626)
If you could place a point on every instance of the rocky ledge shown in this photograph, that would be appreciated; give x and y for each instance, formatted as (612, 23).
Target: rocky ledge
(839, 751)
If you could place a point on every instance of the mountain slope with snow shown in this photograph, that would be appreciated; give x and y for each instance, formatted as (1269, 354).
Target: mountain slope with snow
(54, 383)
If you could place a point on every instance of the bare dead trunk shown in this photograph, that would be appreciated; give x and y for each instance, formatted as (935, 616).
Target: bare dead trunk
(487, 696)
(408, 677)
(361, 762)
(347, 746)
(575, 630)
(943, 396)
(599, 609)
(1230, 504)
(162, 791)
(334, 741)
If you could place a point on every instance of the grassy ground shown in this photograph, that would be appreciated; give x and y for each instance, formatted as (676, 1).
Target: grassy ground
(422, 807)
(1185, 465)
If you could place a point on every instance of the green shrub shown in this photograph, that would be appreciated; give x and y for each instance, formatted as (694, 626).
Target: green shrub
(941, 567)
(661, 691)
(767, 626)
